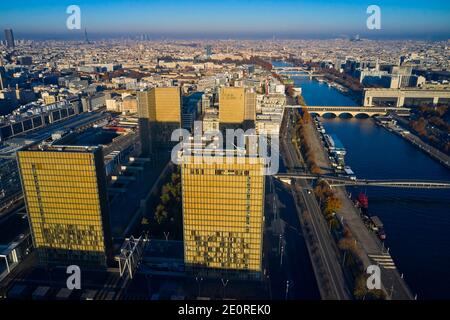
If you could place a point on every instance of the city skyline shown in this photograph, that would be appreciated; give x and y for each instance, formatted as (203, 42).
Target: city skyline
(234, 19)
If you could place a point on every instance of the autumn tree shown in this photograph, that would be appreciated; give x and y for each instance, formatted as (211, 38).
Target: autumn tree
(361, 292)
(332, 205)
(306, 117)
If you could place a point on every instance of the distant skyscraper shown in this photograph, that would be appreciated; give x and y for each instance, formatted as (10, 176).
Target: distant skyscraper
(223, 205)
(355, 38)
(66, 198)
(86, 39)
(159, 112)
(9, 36)
(2, 78)
(208, 51)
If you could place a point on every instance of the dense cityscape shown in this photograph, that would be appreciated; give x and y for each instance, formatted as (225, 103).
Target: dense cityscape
(220, 169)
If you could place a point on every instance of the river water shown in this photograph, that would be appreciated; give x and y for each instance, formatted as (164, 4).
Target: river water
(417, 222)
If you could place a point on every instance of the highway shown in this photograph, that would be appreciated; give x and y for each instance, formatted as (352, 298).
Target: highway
(329, 275)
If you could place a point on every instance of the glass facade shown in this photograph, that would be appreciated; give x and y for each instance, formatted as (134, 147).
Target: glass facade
(231, 105)
(66, 202)
(160, 104)
(159, 112)
(223, 207)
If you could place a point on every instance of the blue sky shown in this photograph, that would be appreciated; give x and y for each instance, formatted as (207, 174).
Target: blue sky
(231, 18)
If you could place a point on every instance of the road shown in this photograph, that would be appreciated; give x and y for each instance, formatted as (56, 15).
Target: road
(415, 140)
(325, 261)
(372, 250)
(289, 269)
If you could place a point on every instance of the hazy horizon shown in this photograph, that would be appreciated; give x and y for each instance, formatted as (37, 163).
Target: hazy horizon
(245, 19)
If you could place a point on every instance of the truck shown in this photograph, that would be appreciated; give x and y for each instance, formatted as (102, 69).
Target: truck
(378, 227)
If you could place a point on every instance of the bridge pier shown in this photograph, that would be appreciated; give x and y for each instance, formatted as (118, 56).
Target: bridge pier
(368, 102)
(400, 101)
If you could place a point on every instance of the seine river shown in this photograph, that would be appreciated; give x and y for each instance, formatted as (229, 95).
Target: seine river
(417, 222)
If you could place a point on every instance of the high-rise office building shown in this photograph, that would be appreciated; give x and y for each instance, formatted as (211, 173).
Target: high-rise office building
(86, 39)
(208, 51)
(250, 106)
(2, 78)
(66, 198)
(159, 111)
(9, 36)
(236, 105)
(231, 105)
(223, 215)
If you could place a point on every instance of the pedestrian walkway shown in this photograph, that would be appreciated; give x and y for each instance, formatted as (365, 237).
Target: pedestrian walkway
(383, 260)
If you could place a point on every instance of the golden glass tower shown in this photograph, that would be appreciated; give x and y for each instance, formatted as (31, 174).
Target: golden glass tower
(236, 105)
(161, 104)
(159, 111)
(223, 213)
(66, 198)
(231, 105)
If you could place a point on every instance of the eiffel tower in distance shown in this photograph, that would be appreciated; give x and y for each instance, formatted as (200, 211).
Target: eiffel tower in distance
(86, 39)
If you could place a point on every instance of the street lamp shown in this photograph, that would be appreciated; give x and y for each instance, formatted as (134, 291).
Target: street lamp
(287, 290)
(281, 255)
(279, 243)
(224, 283)
(199, 281)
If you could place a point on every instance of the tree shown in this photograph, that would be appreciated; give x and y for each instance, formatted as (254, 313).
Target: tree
(420, 126)
(175, 178)
(165, 197)
(332, 205)
(323, 191)
(161, 214)
(360, 288)
(306, 117)
(361, 292)
(349, 244)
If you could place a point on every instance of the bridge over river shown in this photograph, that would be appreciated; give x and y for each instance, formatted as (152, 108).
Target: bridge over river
(338, 181)
(351, 110)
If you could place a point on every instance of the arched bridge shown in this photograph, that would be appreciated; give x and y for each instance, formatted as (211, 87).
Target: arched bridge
(288, 69)
(296, 72)
(351, 110)
(334, 181)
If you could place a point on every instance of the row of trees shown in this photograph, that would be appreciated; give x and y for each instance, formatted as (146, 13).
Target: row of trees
(347, 243)
(301, 101)
(432, 124)
(167, 215)
(353, 262)
(304, 141)
(330, 204)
